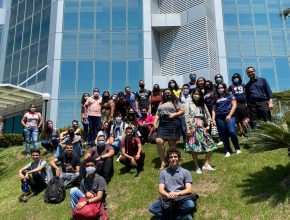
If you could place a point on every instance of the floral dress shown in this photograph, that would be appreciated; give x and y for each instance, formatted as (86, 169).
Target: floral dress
(200, 140)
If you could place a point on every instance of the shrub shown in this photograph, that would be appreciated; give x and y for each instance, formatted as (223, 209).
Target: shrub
(7, 140)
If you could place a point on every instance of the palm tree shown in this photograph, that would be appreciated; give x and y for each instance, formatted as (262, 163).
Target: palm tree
(269, 136)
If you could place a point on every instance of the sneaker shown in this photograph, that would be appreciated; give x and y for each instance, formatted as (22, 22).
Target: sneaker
(208, 167)
(198, 171)
(220, 143)
(118, 159)
(238, 151)
(228, 154)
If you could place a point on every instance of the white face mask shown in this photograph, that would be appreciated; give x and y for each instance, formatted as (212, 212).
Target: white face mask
(221, 91)
(96, 94)
(90, 170)
(196, 97)
(118, 120)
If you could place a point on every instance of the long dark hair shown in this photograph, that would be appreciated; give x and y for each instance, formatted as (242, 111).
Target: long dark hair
(156, 90)
(226, 92)
(31, 106)
(103, 100)
(173, 98)
(197, 82)
(176, 87)
(199, 102)
(211, 86)
(83, 100)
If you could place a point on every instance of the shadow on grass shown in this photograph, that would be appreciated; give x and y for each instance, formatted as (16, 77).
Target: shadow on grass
(269, 184)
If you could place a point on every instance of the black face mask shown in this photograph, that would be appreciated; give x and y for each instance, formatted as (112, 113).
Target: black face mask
(144, 114)
(207, 86)
(141, 86)
(168, 97)
(106, 97)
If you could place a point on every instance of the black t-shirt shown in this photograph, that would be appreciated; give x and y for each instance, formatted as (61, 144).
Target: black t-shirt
(74, 161)
(143, 98)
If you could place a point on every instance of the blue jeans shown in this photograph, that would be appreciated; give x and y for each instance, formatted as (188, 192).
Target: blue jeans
(30, 134)
(94, 127)
(52, 145)
(75, 195)
(227, 129)
(185, 208)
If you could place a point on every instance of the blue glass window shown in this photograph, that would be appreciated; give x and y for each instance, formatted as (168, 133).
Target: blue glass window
(29, 8)
(87, 15)
(85, 77)
(13, 16)
(37, 5)
(18, 36)
(22, 78)
(135, 73)
(234, 66)
(134, 14)
(65, 113)
(134, 45)
(119, 45)
(42, 57)
(102, 75)
(24, 59)
(102, 48)
(33, 55)
(32, 81)
(232, 44)
(15, 64)
(230, 21)
(67, 80)
(69, 46)
(248, 43)
(103, 15)
(7, 70)
(118, 15)
(45, 22)
(283, 72)
(35, 27)
(86, 46)
(26, 32)
(10, 41)
(70, 17)
(118, 76)
(278, 42)
(263, 43)
(21, 10)
(267, 71)
(41, 76)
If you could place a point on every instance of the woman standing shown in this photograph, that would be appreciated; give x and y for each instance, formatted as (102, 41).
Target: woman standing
(222, 116)
(31, 122)
(108, 108)
(156, 98)
(84, 116)
(198, 122)
(173, 86)
(200, 83)
(168, 113)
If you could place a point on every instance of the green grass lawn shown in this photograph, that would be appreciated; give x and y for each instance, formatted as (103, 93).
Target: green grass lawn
(245, 186)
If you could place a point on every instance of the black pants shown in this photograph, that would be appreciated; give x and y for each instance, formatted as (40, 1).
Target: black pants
(144, 130)
(36, 182)
(140, 162)
(259, 111)
(105, 169)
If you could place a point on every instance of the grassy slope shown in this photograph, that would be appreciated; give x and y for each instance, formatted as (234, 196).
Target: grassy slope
(247, 186)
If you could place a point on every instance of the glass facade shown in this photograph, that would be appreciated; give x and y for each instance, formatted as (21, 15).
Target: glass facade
(102, 46)
(256, 35)
(27, 44)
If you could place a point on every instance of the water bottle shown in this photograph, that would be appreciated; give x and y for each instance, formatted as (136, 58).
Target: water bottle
(24, 186)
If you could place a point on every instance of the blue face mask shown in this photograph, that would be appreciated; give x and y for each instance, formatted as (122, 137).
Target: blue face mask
(219, 80)
(236, 80)
(90, 170)
(168, 97)
(193, 78)
(101, 144)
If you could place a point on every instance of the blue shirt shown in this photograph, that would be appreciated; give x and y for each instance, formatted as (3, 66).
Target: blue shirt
(131, 100)
(238, 92)
(224, 105)
(258, 90)
(191, 87)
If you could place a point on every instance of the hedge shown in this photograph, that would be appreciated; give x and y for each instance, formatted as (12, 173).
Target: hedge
(7, 140)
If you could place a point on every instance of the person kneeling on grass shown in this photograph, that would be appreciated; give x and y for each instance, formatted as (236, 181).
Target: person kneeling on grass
(33, 176)
(92, 187)
(175, 183)
(70, 166)
(132, 155)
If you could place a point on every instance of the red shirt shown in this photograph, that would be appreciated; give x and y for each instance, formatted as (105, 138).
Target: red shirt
(131, 145)
(148, 119)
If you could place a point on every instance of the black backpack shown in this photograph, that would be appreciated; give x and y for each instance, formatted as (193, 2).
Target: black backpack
(55, 192)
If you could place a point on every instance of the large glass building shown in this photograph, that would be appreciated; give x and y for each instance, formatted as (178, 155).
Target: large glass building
(73, 46)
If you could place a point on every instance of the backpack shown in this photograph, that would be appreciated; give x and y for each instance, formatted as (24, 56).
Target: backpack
(90, 211)
(55, 192)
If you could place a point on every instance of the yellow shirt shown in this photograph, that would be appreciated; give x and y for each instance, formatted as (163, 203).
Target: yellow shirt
(177, 92)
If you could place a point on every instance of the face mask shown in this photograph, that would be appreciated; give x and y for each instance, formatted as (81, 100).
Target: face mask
(32, 109)
(90, 170)
(172, 85)
(118, 120)
(219, 80)
(75, 126)
(101, 144)
(207, 86)
(114, 98)
(144, 114)
(196, 97)
(236, 80)
(106, 97)
(168, 97)
(96, 94)
(192, 78)
(129, 134)
(221, 91)
(185, 91)
(141, 85)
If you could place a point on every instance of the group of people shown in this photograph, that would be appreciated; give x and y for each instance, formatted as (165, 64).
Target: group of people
(120, 124)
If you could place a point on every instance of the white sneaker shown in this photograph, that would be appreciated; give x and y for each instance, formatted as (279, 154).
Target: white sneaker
(220, 143)
(238, 151)
(228, 154)
(198, 171)
(118, 159)
(208, 167)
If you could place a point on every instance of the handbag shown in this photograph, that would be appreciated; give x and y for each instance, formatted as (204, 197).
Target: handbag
(90, 211)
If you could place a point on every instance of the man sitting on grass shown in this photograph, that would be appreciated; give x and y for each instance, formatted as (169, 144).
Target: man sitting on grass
(132, 155)
(174, 182)
(33, 175)
(70, 166)
(92, 187)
